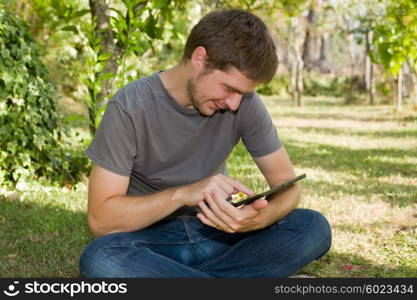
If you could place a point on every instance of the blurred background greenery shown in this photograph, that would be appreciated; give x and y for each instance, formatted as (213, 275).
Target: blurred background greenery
(361, 51)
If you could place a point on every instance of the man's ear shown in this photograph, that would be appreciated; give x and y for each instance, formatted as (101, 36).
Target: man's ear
(198, 58)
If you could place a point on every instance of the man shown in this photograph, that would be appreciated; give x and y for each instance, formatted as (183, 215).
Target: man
(158, 187)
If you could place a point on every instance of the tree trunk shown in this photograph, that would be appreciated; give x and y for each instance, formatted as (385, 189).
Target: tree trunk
(300, 81)
(99, 9)
(309, 45)
(292, 58)
(351, 43)
(399, 97)
(293, 82)
(369, 69)
(324, 47)
(414, 82)
(297, 80)
(297, 64)
(372, 85)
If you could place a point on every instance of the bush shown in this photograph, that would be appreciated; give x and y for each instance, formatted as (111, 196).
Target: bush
(31, 129)
(279, 85)
(314, 85)
(330, 86)
(356, 93)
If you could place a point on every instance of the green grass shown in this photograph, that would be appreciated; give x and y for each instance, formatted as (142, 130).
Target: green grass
(43, 231)
(361, 165)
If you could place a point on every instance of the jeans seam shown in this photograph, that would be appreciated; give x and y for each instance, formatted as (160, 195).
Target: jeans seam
(187, 230)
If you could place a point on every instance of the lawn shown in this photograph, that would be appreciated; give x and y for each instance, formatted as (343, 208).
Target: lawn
(361, 165)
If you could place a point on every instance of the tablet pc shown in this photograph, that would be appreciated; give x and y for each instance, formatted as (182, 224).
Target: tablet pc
(269, 193)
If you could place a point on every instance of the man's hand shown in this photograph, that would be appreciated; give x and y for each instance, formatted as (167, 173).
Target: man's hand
(224, 186)
(220, 214)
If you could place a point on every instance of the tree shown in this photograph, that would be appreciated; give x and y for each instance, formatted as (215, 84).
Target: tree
(115, 37)
(395, 38)
(296, 35)
(367, 15)
(103, 36)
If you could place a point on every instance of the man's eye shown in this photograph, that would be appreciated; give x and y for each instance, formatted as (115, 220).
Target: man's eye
(233, 91)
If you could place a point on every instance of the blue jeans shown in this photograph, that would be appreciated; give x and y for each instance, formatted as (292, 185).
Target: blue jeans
(185, 247)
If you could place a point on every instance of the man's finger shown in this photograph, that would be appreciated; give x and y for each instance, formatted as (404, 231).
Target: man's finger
(257, 205)
(216, 203)
(206, 221)
(238, 186)
(232, 214)
(210, 215)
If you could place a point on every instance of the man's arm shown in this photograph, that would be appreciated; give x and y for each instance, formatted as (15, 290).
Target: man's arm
(276, 168)
(111, 210)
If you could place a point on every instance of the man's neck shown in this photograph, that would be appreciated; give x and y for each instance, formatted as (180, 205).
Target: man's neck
(175, 81)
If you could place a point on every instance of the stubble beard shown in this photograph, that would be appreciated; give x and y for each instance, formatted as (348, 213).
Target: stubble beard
(192, 97)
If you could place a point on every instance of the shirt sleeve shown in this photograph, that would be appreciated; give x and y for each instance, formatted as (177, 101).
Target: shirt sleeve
(114, 146)
(256, 128)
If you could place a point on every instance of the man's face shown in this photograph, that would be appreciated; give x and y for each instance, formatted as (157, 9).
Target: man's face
(215, 90)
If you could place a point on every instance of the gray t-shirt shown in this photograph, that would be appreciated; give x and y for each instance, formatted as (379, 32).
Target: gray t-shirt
(146, 135)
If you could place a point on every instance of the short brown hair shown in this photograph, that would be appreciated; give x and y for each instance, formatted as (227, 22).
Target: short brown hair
(235, 38)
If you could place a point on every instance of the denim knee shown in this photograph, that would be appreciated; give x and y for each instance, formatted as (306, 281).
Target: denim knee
(93, 260)
(88, 260)
(319, 232)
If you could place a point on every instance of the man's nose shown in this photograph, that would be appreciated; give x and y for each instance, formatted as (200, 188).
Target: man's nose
(233, 101)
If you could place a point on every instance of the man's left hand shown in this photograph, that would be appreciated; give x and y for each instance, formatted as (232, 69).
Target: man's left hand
(220, 214)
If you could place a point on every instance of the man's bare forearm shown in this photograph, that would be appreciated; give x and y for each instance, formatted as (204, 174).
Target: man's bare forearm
(124, 213)
(281, 205)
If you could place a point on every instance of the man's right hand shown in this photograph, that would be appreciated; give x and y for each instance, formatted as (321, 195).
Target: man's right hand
(111, 210)
(224, 186)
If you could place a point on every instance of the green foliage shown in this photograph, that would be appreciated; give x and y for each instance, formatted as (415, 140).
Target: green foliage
(148, 36)
(354, 91)
(330, 86)
(279, 85)
(289, 7)
(136, 26)
(396, 36)
(31, 132)
(384, 90)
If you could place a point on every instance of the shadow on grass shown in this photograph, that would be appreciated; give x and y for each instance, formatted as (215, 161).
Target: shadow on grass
(344, 265)
(40, 241)
(340, 116)
(360, 163)
(356, 161)
(359, 132)
(325, 102)
(396, 194)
